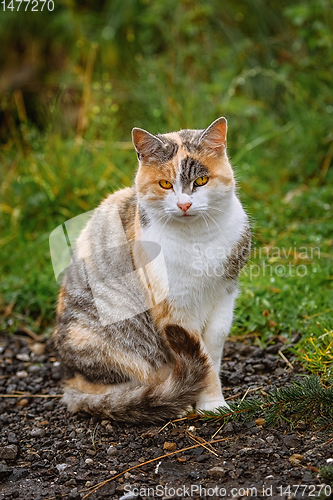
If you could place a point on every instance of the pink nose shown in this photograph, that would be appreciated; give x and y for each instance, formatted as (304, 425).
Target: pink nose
(184, 206)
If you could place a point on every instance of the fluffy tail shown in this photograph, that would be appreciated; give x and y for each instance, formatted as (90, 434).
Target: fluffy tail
(152, 403)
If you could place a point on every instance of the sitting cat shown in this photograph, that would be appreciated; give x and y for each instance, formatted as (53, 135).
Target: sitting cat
(147, 301)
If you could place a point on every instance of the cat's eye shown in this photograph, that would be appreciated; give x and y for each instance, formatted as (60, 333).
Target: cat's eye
(165, 184)
(201, 181)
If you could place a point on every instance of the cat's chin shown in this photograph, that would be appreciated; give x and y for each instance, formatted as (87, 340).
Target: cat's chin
(185, 217)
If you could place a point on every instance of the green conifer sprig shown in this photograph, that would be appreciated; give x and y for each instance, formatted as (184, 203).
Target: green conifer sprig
(309, 400)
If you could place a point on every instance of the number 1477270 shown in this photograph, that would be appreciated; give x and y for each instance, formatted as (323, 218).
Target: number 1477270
(32, 5)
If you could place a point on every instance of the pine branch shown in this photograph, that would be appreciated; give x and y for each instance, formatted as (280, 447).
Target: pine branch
(310, 401)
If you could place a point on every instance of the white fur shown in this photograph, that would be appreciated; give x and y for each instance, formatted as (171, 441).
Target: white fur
(194, 249)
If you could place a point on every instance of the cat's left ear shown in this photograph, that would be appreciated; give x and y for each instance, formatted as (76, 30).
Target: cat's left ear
(215, 136)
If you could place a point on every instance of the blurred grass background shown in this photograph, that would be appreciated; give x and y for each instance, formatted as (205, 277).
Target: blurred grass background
(73, 83)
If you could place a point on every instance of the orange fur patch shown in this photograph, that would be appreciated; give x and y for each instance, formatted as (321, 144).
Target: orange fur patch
(61, 301)
(80, 384)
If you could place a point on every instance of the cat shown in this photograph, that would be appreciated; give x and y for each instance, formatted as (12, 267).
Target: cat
(147, 301)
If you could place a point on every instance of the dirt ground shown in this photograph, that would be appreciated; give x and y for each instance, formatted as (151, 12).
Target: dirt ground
(46, 453)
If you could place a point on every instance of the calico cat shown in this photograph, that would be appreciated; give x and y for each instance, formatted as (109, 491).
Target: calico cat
(148, 299)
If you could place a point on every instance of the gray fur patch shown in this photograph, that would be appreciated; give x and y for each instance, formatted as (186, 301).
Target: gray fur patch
(191, 169)
(144, 218)
(239, 255)
(190, 140)
(167, 151)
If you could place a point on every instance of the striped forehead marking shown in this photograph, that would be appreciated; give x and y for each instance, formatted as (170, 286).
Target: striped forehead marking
(191, 169)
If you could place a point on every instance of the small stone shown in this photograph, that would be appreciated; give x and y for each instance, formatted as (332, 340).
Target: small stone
(228, 428)
(8, 452)
(37, 432)
(23, 402)
(291, 441)
(92, 453)
(216, 472)
(61, 467)
(258, 367)
(273, 349)
(12, 438)
(89, 461)
(22, 374)
(18, 474)
(49, 406)
(23, 357)
(74, 493)
(270, 439)
(33, 369)
(127, 475)
(296, 459)
(129, 496)
(260, 421)
(112, 451)
(169, 446)
(37, 348)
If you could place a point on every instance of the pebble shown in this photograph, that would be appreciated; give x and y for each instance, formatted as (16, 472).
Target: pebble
(49, 406)
(169, 446)
(92, 453)
(128, 496)
(18, 474)
(89, 461)
(12, 438)
(23, 402)
(37, 348)
(61, 467)
(23, 357)
(74, 493)
(258, 367)
(37, 432)
(33, 369)
(291, 441)
(112, 451)
(22, 374)
(296, 459)
(217, 472)
(270, 439)
(8, 452)
(228, 428)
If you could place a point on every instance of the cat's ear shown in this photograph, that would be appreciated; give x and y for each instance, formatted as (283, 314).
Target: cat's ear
(215, 136)
(147, 146)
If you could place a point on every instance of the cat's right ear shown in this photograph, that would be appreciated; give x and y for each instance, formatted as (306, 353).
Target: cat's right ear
(147, 146)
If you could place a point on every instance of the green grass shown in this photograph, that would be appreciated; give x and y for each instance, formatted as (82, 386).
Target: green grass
(165, 66)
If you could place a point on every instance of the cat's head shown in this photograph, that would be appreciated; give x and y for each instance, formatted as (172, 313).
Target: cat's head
(183, 175)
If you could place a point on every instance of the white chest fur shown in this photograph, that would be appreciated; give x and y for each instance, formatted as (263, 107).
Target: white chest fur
(196, 254)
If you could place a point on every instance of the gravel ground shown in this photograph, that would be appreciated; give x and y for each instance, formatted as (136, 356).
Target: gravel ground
(47, 453)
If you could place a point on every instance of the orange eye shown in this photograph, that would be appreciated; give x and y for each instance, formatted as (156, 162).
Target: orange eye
(165, 184)
(201, 181)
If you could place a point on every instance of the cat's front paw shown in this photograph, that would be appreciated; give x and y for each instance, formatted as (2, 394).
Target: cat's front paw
(212, 405)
